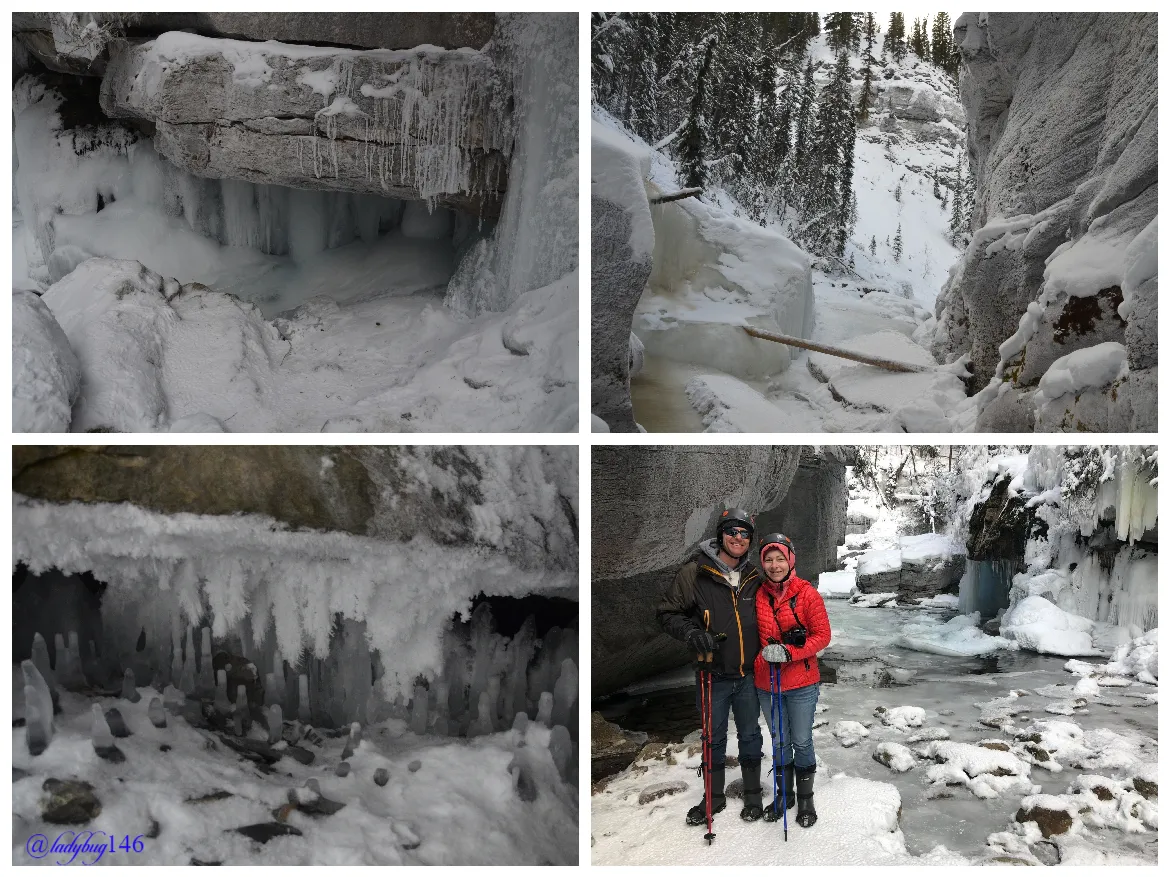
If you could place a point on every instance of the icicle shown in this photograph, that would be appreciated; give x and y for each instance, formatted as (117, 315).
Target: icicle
(158, 716)
(544, 710)
(240, 710)
(222, 704)
(103, 738)
(303, 712)
(129, 691)
(275, 723)
(564, 692)
(418, 711)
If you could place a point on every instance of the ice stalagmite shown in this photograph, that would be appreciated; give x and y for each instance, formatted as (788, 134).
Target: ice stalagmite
(418, 710)
(442, 698)
(273, 691)
(482, 724)
(173, 698)
(565, 693)
(158, 716)
(186, 682)
(544, 710)
(176, 658)
(92, 668)
(240, 711)
(103, 737)
(37, 733)
(519, 656)
(351, 743)
(68, 669)
(129, 692)
(222, 704)
(37, 696)
(494, 699)
(303, 712)
(40, 658)
(206, 673)
(275, 723)
(560, 745)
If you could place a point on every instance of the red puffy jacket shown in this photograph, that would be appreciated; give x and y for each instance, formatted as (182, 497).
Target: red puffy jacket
(773, 616)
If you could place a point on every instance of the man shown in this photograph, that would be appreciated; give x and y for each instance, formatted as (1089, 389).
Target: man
(714, 593)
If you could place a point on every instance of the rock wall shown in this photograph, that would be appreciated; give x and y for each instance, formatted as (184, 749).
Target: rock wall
(651, 508)
(1062, 135)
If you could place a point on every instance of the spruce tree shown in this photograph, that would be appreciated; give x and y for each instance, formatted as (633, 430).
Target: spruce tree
(942, 40)
(898, 192)
(867, 60)
(804, 113)
(873, 245)
(694, 140)
(829, 178)
(898, 244)
(837, 30)
(957, 229)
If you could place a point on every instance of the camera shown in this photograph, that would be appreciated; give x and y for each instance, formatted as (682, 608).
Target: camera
(795, 636)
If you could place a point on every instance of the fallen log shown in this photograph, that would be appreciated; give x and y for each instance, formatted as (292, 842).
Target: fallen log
(877, 361)
(675, 196)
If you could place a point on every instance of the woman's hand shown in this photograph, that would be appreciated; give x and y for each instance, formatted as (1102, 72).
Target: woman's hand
(775, 653)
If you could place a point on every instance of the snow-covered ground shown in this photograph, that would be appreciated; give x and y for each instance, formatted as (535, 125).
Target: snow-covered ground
(184, 793)
(958, 799)
(894, 187)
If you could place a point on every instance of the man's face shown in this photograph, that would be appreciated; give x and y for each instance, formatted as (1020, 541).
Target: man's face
(736, 541)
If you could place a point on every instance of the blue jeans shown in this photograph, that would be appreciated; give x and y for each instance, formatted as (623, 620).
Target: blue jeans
(734, 696)
(800, 704)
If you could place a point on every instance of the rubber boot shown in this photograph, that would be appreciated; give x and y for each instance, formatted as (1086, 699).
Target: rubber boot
(806, 816)
(697, 815)
(753, 794)
(787, 793)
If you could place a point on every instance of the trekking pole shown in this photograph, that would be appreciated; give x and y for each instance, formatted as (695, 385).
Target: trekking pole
(705, 678)
(780, 725)
(773, 715)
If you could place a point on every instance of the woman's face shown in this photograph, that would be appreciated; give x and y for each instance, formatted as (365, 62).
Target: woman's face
(776, 565)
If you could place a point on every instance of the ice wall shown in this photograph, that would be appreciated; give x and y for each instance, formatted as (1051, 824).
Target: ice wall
(536, 240)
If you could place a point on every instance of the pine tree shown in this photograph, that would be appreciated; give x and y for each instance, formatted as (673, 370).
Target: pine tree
(829, 182)
(694, 140)
(898, 244)
(867, 61)
(837, 30)
(895, 40)
(873, 245)
(942, 41)
(804, 113)
(898, 192)
(957, 228)
(937, 192)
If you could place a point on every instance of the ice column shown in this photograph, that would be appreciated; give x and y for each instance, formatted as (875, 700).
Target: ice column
(275, 723)
(483, 719)
(565, 693)
(544, 710)
(40, 659)
(240, 711)
(418, 710)
(493, 694)
(303, 712)
(176, 657)
(222, 705)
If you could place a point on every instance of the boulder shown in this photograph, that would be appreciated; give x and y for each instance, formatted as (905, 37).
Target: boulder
(46, 376)
(69, 802)
(415, 124)
(612, 749)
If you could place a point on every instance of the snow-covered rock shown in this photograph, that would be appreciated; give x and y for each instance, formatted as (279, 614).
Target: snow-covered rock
(1040, 626)
(46, 375)
(1137, 658)
(849, 733)
(622, 247)
(319, 117)
(895, 756)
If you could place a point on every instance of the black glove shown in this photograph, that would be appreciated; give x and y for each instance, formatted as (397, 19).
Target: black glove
(701, 642)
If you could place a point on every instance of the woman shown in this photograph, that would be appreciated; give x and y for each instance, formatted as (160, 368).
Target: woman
(793, 627)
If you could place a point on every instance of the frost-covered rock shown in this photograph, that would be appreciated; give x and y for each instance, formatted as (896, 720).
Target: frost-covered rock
(420, 124)
(1061, 201)
(622, 246)
(46, 375)
(895, 756)
(849, 733)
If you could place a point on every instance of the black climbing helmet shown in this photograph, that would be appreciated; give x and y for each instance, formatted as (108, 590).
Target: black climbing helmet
(734, 518)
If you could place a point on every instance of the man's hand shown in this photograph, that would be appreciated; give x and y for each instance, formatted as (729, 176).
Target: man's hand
(774, 653)
(701, 642)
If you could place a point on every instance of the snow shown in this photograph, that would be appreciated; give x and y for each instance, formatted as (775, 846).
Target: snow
(836, 584)
(1089, 367)
(1039, 625)
(1140, 265)
(727, 404)
(1137, 658)
(597, 424)
(927, 547)
(619, 169)
(462, 782)
(46, 375)
(960, 635)
(880, 561)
